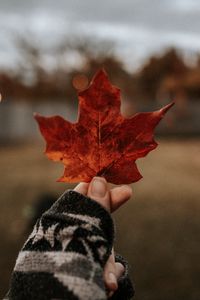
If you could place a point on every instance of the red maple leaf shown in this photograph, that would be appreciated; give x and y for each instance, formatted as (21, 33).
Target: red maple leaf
(102, 142)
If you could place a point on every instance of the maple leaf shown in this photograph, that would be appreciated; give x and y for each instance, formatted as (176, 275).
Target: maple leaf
(102, 142)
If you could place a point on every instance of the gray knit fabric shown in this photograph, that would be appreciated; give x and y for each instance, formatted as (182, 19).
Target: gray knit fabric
(65, 254)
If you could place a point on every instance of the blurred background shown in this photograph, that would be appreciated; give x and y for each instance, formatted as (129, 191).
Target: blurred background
(152, 52)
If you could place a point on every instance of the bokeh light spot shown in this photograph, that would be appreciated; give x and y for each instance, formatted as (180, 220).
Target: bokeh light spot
(80, 82)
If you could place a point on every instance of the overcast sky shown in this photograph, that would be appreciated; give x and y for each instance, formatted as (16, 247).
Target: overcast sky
(138, 27)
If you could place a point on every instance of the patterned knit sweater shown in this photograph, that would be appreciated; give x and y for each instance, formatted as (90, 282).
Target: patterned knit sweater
(65, 254)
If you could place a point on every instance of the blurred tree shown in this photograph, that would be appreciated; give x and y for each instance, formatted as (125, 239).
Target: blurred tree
(156, 70)
(47, 74)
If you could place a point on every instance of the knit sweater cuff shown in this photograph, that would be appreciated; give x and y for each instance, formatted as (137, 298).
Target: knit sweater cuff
(72, 203)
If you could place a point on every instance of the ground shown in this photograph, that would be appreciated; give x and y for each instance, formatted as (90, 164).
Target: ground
(157, 230)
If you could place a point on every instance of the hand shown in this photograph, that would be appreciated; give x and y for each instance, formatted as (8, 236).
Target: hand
(111, 199)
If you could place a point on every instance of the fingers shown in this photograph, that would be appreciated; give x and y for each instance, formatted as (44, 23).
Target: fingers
(119, 270)
(119, 195)
(112, 272)
(98, 190)
(110, 278)
(82, 188)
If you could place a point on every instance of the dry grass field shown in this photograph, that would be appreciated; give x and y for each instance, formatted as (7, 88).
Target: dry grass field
(157, 231)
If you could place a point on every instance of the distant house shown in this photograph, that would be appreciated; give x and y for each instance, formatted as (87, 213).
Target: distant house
(17, 122)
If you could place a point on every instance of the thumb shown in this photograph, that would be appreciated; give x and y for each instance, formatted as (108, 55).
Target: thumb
(98, 190)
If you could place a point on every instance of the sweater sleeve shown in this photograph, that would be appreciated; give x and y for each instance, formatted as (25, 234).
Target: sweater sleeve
(65, 254)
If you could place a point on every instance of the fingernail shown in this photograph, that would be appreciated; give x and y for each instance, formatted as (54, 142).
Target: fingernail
(98, 187)
(112, 281)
